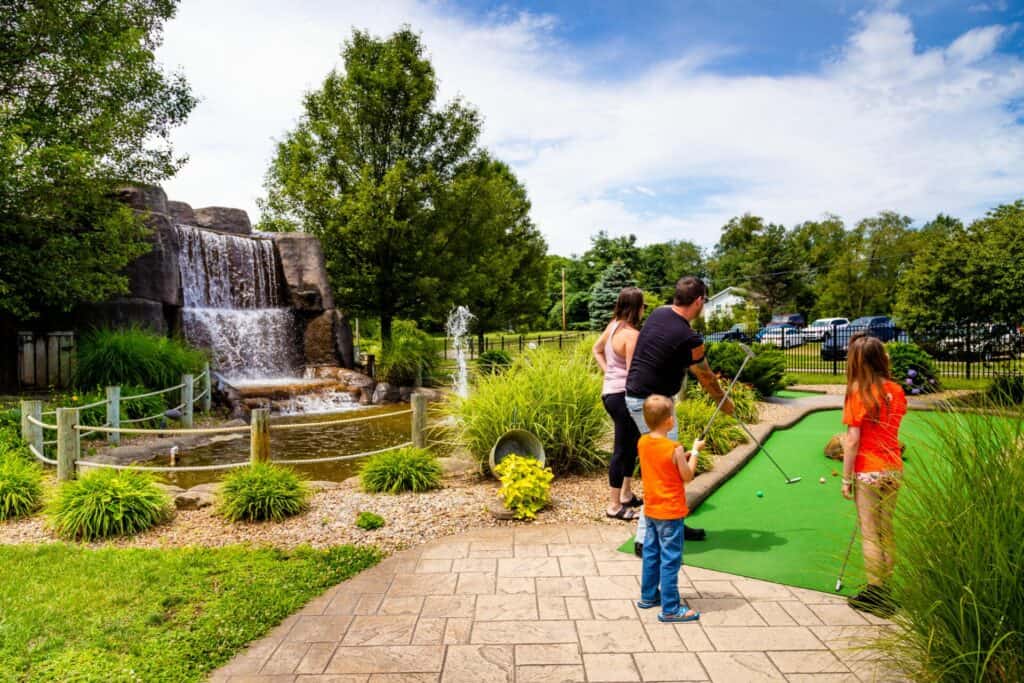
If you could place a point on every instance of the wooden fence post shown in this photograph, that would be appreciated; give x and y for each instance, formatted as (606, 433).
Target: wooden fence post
(113, 413)
(187, 392)
(207, 390)
(259, 436)
(32, 434)
(68, 446)
(419, 420)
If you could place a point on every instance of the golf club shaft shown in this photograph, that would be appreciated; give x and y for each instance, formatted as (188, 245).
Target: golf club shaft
(849, 548)
(762, 448)
(718, 408)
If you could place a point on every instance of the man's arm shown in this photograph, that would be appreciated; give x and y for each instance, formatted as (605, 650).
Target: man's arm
(702, 371)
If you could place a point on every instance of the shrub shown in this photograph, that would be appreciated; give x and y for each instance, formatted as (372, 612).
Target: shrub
(743, 399)
(263, 492)
(405, 469)
(21, 487)
(410, 355)
(11, 445)
(131, 410)
(766, 371)
(960, 519)
(369, 521)
(134, 357)
(1006, 390)
(725, 434)
(493, 362)
(108, 503)
(553, 394)
(912, 367)
(525, 485)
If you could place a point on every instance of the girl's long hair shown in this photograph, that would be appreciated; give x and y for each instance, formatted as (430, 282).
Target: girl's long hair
(867, 369)
(629, 306)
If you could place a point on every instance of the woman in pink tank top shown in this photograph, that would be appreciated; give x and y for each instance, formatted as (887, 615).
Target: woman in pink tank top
(614, 352)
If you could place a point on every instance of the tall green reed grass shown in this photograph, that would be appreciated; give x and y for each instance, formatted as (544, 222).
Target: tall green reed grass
(960, 565)
(134, 356)
(553, 394)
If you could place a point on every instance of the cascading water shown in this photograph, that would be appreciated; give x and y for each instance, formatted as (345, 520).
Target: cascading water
(457, 326)
(233, 304)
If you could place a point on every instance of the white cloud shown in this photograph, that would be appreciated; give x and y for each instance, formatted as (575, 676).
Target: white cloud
(881, 126)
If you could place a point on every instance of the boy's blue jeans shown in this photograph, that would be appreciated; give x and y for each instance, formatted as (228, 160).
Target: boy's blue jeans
(663, 556)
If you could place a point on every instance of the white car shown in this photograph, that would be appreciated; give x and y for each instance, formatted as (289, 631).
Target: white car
(782, 336)
(823, 327)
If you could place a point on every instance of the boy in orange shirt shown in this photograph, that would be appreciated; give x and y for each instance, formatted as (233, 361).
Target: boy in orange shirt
(666, 467)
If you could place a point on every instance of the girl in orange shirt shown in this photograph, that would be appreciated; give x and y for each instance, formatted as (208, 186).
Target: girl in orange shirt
(872, 463)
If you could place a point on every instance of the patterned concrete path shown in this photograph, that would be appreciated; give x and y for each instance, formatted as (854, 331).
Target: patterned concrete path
(552, 603)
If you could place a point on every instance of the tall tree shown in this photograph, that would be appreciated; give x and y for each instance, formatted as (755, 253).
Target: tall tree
(662, 264)
(605, 292)
(83, 109)
(757, 255)
(817, 245)
(366, 170)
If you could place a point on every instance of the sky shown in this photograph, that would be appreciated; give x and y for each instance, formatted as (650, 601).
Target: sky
(661, 119)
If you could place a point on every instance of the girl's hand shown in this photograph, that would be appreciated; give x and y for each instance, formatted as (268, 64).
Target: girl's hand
(847, 491)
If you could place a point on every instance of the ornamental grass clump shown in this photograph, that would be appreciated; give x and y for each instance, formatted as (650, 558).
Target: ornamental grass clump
(743, 398)
(263, 492)
(21, 486)
(725, 434)
(958, 582)
(525, 485)
(404, 469)
(134, 356)
(107, 503)
(553, 394)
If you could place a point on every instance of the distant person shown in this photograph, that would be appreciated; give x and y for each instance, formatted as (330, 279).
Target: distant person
(667, 467)
(614, 353)
(666, 348)
(872, 463)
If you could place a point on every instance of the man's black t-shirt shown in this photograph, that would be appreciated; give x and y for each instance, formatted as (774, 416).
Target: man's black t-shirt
(663, 354)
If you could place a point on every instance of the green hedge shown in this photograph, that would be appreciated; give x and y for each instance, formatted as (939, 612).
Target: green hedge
(766, 372)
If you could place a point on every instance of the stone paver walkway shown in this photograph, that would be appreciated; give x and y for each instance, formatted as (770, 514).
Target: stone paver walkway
(550, 603)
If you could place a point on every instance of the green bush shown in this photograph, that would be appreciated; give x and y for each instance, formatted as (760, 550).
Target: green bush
(411, 355)
(262, 492)
(369, 521)
(766, 371)
(493, 362)
(525, 485)
(405, 469)
(11, 445)
(725, 434)
(108, 503)
(130, 410)
(21, 487)
(912, 367)
(1006, 390)
(134, 357)
(553, 394)
(743, 399)
(960, 521)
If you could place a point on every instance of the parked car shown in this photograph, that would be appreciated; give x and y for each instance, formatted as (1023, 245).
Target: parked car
(979, 341)
(735, 333)
(782, 336)
(794, 319)
(823, 327)
(880, 326)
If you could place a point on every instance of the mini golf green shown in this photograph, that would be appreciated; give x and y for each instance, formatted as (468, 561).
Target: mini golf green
(797, 534)
(794, 393)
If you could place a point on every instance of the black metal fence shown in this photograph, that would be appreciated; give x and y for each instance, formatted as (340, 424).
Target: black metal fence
(514, 344)
(965, 351)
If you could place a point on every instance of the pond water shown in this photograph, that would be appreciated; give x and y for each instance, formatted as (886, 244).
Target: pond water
(393, 427)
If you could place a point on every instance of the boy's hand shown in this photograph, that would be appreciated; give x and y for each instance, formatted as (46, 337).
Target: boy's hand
(698, 446)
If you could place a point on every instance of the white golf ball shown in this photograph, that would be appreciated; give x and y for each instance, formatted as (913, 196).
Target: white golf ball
(822, 480)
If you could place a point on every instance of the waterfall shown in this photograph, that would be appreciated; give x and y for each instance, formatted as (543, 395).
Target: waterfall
(234, 304)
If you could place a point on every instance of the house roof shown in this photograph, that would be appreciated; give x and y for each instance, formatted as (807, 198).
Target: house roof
(735, 291)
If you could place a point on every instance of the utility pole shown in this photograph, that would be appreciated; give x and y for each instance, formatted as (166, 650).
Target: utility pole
(563, 299)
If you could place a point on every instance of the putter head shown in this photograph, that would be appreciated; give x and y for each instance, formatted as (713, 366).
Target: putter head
(746, 350)
(839, 585)
(793, 480)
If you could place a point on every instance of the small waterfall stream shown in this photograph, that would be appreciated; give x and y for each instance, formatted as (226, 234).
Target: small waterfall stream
(234, 304)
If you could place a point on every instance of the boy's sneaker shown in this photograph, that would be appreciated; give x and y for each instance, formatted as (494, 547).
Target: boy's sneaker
(683, 615)
(648, 604)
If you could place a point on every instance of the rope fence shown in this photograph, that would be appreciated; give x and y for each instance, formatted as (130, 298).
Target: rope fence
(339, 458)
(153, 393)
(39, 456)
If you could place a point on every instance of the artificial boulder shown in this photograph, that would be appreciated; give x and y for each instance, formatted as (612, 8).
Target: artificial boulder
(318, 340)
(224, 219)
(305, 272)
(181, 213)
(147, 198)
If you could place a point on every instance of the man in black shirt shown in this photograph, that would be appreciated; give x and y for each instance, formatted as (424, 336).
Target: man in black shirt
(666, 348)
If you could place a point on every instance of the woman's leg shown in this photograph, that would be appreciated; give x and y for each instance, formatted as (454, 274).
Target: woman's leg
(630, 437)
(615, 406)
(868, 513)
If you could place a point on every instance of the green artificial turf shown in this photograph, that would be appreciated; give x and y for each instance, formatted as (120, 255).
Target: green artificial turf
(793, 393)
(797, 534)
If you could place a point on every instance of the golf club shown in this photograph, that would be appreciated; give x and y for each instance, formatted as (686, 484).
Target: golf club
(842, 571)
(789, 479)
(748, 355)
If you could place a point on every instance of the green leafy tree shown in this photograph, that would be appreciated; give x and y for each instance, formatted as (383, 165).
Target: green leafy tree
(662, 264)
(84, 107)
(606, 291)
(815, 245)
(366, 170)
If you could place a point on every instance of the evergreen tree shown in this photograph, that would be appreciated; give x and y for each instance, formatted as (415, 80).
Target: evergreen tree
(605, 292)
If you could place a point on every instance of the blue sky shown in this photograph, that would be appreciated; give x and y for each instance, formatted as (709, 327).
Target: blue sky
(662, 119)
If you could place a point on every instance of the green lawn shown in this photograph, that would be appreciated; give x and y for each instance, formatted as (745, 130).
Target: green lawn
(979, 384)
(70, 613)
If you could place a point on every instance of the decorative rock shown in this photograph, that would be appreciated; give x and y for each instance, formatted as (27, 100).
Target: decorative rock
(149, 198)
(365, 396)
(181, 213)
(432, 395)
(352, 379)
(170, 489)
(343, 340)
(834, 447)
(317, 485)
(499, 511)
(318, 340)
(224, 219)
(212, 487)
(194, 500)
(124, 313)
(305, 272)
(386, 393)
